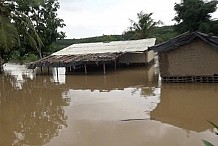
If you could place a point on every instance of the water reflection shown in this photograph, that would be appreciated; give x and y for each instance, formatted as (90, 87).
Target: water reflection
(124, 107)
(32, 115)
(32, 109)
(188, 106)
(118, 80)
(58, 75)
(18, 74)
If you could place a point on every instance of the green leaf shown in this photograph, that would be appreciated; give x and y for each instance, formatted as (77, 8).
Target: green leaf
(8, 34)
(214, 125)
(206, 143)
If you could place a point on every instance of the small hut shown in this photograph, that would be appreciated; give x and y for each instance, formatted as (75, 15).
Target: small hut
(190, 57)
(87, 56)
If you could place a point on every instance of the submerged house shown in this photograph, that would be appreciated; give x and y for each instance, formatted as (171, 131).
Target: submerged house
(190, 57)
(87, 56)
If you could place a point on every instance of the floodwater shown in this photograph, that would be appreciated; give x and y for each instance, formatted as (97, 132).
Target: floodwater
(122, 108)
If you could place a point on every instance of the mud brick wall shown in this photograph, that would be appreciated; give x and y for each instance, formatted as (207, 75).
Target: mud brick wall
(194, 59)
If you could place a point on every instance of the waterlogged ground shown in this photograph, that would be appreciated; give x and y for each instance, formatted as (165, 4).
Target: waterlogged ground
(122, 108)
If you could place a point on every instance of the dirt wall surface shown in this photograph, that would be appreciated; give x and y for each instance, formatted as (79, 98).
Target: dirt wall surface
(150, 55)
(194, 59)
(132, 58)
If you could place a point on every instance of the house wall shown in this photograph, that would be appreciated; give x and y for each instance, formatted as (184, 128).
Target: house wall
(195, 59)
(133, 58)
(150, 56)
(137, 57)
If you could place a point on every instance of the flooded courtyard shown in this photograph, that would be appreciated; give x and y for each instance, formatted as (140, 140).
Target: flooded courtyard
(122, 108)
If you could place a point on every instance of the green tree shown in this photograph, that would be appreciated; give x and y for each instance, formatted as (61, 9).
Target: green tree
(143, 27)
(14, 25)
(163, 33)
(195, 15)
(45, 20)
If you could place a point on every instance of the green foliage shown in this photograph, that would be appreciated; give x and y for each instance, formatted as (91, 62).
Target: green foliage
(17, 56)
(214, 125)
(16, 27)
(28, 32)
(142, 28)
(26, 25)
(195, 15)
(29, 58)
(163, 34)
(206, 143)
(8, 34)
(45, 20)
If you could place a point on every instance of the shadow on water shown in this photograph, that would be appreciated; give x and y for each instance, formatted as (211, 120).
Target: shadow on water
(113, 81)
(188, 106)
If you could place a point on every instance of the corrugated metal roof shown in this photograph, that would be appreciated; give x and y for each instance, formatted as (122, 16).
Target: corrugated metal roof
(111, 47)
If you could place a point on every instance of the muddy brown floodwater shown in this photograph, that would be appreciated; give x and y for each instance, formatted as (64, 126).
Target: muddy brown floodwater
(122, 108)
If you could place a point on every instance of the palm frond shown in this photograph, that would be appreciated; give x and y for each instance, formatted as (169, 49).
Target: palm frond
(27, 28)
(206, 143)
(214, 125)
(8, 34)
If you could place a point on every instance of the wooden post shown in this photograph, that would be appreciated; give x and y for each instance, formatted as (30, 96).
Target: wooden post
(104, 68)
(85, 69)
(146, 58)
(57, 74)
(48, 70)
(115, 64)
(41, 71)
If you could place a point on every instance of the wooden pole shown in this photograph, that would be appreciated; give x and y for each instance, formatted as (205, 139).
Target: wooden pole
(85, 69)
(146, 58)
(48, 70)
(41, 71)
(104, 68)
(57, 74)
(115, 64)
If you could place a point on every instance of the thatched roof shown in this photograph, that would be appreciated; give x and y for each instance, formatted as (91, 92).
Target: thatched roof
(90, 53)
(184, 39)
(73, 60)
